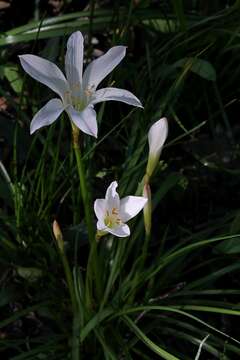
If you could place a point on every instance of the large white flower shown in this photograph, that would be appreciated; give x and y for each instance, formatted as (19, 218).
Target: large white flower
(112, 213)
(78, 92)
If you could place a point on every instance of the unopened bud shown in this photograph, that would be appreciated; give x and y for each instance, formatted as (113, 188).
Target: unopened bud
(156, 138)
(58, 235)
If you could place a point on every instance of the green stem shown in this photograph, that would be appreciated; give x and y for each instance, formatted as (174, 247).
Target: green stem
(115, 271)
(75, 308)
(16, 189)
(147, 211)
(145, 250)
(83, 185)
(93, 260)
(143, 188)
(73, 294)
(69, 279)
(76, 337)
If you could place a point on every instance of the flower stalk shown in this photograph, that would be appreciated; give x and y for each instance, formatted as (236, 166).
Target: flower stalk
(75, 308)
(147, 210)
(157, 135)
(93, 258)
(82, 182)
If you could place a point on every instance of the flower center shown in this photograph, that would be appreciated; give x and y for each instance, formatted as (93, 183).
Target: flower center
(79, 98)
(112, 218)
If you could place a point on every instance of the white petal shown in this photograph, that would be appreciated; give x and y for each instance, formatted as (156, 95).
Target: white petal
(47, 115)
(98, 69)
(74, 60)
(112, 197)
(110, 93)
(130, 206)
(45, 72)
(85, 120)
(120, 231)
(100, 208)
(157, 136)
(101, 226)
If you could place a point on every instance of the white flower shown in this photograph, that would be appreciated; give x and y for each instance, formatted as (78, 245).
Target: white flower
(156, 138)
(78, 92)
(112, 213)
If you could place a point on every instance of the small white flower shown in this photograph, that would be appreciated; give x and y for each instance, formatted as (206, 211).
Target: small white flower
(78, 92)
(156, 138)
(112, 213)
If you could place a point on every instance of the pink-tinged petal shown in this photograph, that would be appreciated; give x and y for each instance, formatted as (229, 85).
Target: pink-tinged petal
(130, 206)
(98, 69)
(110, 93)
(74, 60)
(112, 197)
(157, 136)
(100, 208)
(47, 115)
(120, 231)
(46, 72)
(85, 120)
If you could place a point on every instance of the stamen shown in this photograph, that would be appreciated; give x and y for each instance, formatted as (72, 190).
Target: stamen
(111, 219)
(76, 87)
(114, 211)
(88, 92)
(67, 97)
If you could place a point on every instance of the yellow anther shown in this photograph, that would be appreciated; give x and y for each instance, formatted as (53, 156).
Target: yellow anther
(75, 87)
(88, 92)
(114, 211)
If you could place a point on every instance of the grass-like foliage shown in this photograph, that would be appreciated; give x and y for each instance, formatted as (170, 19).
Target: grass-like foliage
(78, 284)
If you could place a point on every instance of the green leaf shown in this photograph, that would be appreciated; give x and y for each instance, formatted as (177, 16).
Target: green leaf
(1, 72)
(179, 310)
(95, 322)
(198, 66)
(29, 273)
(168, 183)
(231, 246)
(12, 75)
(235, 225)
(7, 295)
(17, 315)
(179, 11)
(150, 344)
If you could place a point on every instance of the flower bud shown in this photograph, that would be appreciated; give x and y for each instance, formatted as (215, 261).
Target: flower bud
(156, 138)
(58, 235)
